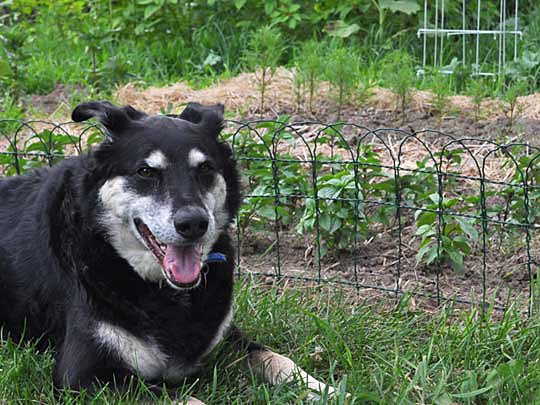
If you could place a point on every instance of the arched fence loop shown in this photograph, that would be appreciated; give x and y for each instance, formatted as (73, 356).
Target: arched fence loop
(385, 210)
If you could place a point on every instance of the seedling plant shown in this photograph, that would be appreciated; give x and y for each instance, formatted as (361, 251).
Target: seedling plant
(262, 56)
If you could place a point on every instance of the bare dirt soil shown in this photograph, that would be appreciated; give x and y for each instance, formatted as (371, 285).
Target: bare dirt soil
(500, 276)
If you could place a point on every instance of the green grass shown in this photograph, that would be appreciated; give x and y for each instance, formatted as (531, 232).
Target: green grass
(378, 352)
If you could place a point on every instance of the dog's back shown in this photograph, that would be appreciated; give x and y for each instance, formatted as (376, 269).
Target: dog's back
(31, 287)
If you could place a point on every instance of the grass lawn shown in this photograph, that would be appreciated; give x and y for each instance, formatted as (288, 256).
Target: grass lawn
(377, 351)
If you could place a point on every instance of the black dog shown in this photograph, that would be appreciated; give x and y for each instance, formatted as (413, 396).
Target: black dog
(121, 257)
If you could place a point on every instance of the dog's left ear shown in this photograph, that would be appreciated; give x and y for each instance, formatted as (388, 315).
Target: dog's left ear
(208, 116)
(114, 118)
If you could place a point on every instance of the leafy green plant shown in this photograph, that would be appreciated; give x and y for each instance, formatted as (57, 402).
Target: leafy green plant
(460, 76)
(13, 56)
(399, 76)
(416, 186)
(384, 7)
(456, 234)
(43, 148)
(512, 209)
(284, 12)
(262, 55)
(335, 211)
(262, 208)
(526, 67)
(264, 177)
(341, 207)
(149, 16)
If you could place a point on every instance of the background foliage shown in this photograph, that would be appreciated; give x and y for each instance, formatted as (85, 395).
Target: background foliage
(102, 43)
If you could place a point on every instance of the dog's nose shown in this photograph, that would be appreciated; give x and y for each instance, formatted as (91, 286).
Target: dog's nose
(191, 222)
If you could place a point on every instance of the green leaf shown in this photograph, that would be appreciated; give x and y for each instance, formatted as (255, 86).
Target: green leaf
(5, 69)
(468, 227)
(462, 244)
(430, 250)
(150, 11)
(435, 197)
(38, 146)
(267, 212)
(325, 221)
(343, 213)
(456, 258)
(472, 394)
(328, 192)
(212, 59)
(426, 218)
(422, 229)
(6, 159)
(336, 225)
(239, 4)
(292, 23)
(94, 138)
(343, 30)
(404, 6)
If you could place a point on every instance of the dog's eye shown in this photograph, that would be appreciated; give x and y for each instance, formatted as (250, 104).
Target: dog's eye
(206, 171)
(148, 172)
(205, 168)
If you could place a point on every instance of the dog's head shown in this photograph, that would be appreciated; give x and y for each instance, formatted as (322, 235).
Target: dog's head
(167, 187)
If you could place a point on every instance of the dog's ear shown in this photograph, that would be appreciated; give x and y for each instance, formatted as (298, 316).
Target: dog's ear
(208, 116)
(112, 117)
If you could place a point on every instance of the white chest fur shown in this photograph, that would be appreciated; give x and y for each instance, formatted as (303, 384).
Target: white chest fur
(145, 357)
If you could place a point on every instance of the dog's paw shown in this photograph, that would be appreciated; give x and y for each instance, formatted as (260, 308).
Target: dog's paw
(317, 397)
(190, 401)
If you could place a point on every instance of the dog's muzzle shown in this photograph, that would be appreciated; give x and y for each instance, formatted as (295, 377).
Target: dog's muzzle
(181, 264)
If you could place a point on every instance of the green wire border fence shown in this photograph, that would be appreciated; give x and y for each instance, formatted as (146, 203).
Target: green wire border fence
(338, 185)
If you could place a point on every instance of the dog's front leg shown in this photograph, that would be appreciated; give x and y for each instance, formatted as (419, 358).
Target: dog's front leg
(275, 368)
(278, 369)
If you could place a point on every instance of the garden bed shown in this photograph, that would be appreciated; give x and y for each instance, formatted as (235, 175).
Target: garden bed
(374, 261)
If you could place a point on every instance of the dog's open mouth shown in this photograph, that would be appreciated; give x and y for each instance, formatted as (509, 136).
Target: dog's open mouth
(181, 265)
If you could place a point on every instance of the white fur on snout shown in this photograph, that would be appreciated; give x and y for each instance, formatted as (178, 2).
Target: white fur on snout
(196, 157)
(121, 205)
(120, 208)
(157, 160)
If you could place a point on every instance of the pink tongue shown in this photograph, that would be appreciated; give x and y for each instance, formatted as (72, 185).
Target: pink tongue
(183, 264)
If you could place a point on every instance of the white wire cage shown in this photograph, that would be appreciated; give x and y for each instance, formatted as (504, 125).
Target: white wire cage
(436, 32)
